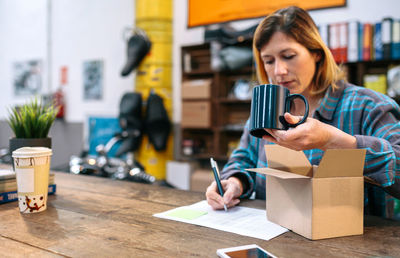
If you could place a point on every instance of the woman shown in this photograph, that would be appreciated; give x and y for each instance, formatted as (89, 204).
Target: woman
(290, 52)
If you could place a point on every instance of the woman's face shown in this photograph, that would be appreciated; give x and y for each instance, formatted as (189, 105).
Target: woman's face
(288, 63)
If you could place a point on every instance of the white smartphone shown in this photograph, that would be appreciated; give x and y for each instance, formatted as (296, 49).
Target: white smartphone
(244, 251)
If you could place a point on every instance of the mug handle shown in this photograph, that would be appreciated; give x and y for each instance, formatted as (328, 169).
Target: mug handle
(291, 98)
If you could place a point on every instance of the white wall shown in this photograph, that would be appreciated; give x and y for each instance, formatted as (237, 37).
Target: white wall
(23, 34)
(80, 31)
(92, 29)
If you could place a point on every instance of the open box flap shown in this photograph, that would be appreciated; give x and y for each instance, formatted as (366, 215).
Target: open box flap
(276, 173)
(288, 160)
(341, 163)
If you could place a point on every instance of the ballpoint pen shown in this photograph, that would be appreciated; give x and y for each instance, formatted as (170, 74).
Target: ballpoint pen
(214, 167)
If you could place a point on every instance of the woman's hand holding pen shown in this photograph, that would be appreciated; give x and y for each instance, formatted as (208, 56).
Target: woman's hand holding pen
(312, 134)
(232, 188)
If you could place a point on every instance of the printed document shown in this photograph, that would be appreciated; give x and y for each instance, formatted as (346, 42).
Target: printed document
(239, 220)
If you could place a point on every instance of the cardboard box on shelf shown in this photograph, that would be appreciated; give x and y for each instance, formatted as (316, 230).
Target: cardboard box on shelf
(316, 202)
(201, 179)
(196, 89)
(196, 114)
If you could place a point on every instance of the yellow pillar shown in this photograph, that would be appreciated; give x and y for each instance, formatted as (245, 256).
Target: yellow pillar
(154, 73)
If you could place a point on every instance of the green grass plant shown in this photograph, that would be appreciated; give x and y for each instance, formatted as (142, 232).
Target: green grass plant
(33, 119)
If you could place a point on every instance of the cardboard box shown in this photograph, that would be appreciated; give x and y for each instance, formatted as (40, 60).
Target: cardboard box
(315, 201)
(201, 179)
(196, 89)
(196, 114)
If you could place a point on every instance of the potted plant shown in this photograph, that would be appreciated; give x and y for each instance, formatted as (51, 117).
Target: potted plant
(31, 124)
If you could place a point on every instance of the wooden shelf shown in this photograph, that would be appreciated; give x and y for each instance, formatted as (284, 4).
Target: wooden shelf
(203, 72)
(374, 62)
(234, 101)
(357, 70)
(225, 111)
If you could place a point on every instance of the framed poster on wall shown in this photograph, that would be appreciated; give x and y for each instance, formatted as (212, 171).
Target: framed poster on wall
(93, 80)
(27, 77)
(206, 12)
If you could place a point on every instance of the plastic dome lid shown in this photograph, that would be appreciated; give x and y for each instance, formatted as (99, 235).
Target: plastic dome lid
(31, 152)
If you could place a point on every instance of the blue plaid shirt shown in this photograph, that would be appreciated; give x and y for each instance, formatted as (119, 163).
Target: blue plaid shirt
(371, 117)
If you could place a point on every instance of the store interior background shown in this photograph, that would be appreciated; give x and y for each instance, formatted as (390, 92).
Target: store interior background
(65, 33)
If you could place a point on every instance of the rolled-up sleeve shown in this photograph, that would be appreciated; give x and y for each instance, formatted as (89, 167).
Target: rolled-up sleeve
(242, 158)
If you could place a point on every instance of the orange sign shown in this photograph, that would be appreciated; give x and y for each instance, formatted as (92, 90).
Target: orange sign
(204, 12)
(63, 75)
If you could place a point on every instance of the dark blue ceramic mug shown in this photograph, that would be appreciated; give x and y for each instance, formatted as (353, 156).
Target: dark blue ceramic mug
(268, 105)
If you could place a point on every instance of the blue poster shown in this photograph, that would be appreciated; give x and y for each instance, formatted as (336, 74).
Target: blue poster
(101, 130)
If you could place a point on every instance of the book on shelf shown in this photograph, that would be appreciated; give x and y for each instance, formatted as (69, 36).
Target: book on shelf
(334, 40)
(360, 41)
(343, 41)
(377, 41)
(367, 42)
(387, 37)
(395, 39)
(353, 41)
(13, 195)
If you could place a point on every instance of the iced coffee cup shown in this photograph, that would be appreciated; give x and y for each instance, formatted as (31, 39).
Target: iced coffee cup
(32, 167)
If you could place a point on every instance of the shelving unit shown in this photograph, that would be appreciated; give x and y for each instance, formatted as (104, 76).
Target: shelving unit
(357, 70)
(228, 114)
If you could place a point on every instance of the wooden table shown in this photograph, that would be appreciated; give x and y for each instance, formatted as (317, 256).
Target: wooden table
(98, 217)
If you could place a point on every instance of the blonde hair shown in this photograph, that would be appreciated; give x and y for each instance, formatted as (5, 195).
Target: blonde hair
(298, 24)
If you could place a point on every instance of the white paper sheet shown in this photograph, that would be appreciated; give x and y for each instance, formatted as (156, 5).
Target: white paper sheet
(239, 220)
